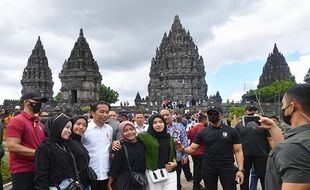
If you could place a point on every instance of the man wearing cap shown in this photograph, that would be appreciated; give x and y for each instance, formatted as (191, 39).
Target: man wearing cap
(24, 134)
(256, 143)
(221, 144)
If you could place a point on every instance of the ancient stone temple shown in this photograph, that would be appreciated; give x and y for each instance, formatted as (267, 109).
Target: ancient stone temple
(177, 71)
(80, 77)
(37, 76)
(276, 68)
(307, 77)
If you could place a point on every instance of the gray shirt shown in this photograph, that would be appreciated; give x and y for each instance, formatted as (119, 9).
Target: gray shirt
(289, 162)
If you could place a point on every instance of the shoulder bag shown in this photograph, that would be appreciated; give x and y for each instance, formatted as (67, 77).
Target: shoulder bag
(139, 178)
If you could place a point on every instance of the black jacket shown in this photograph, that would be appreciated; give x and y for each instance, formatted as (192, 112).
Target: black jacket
(53, 164)
(81, 156)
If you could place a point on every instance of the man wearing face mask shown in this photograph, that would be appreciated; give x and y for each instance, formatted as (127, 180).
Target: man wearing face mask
(288, 165)
(221, 144)
(256, 143)
(24, 134)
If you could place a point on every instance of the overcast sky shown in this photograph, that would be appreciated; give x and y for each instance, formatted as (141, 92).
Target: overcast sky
(234, 38)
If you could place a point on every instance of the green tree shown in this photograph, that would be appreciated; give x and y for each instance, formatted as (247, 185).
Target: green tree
(57, 97)
(271, 93)
(238, 111)
(107, 94)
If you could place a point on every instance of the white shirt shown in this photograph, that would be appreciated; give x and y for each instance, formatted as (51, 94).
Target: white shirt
(97, 141)
(139, 129)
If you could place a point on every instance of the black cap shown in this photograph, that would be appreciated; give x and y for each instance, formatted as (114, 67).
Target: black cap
(33, 96)
(123, 112)
(251, 107)
(215, 108)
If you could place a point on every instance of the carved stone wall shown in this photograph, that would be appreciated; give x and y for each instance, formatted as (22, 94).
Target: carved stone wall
(80, 76)
(276, 68)
(37, 76)
(177, 71)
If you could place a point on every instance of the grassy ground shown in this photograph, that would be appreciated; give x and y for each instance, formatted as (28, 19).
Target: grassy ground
(5, 168)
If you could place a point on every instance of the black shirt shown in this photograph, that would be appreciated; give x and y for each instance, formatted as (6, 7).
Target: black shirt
(219, 143)
(254, 139)
(136, 154)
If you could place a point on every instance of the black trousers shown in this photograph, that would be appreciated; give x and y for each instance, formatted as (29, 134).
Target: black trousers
(259, 163)
(187, 171)
(179, 169)
(197, 159)
(99, 184)
(23, 181)
(227, 178)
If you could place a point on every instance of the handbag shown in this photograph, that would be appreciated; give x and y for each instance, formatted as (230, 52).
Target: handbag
(75, 184)
(158, 175)
(139, 178)
(91, 174)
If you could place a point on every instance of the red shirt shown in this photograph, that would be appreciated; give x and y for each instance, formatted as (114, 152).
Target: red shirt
(191, 134)
(29, 130)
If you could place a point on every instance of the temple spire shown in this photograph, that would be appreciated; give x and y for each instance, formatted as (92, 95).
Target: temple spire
(275, 49)
(81, 32)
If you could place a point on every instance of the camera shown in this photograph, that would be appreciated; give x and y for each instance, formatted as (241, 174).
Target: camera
(247, 119)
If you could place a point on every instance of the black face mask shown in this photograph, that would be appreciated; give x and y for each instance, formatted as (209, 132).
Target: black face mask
(36, 107)
(214, 118)
(287, 118)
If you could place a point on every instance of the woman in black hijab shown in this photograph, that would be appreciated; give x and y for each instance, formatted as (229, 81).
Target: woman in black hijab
(160, 153)
(53, 158)
(79, 151)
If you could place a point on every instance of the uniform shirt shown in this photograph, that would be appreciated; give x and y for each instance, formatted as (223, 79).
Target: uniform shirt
(254, 139)
(97, 141)
(289, 162)
(29, 130)
(178, 130)
(219, 143)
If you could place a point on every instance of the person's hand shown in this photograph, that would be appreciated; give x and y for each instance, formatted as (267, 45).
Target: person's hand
(184, 160)
(239, 177)
(178, 146)
(116, 145)
(109, 187)
(267, 123)
(170, 166)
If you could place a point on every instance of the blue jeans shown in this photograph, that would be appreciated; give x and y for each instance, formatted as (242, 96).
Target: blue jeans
(254, 179)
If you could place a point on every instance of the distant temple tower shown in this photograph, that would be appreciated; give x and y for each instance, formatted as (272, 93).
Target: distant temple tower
(177, 70)
(80, 76)
(307, 77)
(37, 76)
(276, 68)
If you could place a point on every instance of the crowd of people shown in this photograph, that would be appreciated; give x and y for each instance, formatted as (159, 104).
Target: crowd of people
(113, 151)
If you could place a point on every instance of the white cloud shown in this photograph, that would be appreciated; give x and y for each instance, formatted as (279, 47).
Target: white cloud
(300, 68)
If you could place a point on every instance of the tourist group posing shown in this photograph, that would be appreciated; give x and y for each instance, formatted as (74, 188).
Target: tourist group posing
(106, 152)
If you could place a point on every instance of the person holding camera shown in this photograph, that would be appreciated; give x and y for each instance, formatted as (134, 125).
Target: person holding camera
(256, 143)
(288, 165)
(222, 143)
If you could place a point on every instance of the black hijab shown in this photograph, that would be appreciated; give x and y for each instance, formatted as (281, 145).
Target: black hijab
(163, 140)
(56, 125)
(74, 119)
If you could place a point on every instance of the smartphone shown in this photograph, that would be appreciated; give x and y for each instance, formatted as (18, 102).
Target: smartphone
(247, 119)
(175, 136)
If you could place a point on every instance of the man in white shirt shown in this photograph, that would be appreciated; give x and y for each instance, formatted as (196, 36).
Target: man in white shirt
(139, 122)
(97, 140)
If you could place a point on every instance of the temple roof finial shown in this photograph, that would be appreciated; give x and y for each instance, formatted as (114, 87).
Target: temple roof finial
(275, 49)
(81, 32)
